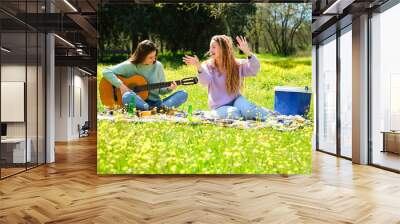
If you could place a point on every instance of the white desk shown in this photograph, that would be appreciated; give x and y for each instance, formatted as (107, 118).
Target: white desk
(18, 151)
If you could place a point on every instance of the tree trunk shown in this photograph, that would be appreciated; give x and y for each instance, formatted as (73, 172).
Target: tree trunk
(257, 43)
(228, 29)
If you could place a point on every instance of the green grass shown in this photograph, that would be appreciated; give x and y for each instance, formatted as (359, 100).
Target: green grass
(157, 148)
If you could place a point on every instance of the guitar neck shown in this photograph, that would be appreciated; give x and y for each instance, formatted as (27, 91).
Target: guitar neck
(155, 86)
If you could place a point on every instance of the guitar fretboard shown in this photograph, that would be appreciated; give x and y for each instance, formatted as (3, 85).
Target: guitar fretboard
(154, 86)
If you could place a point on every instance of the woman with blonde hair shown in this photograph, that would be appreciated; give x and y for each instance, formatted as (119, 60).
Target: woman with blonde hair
(223, 75)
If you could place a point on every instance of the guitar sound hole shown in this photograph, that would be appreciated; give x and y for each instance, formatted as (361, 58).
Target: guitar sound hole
(132, 87)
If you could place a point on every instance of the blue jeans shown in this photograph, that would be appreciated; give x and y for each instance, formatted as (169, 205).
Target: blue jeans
(242, 108)
(172, 101)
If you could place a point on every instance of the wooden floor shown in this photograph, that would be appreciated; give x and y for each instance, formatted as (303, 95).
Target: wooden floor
(10, 171)
(5, 172)
(69, 191)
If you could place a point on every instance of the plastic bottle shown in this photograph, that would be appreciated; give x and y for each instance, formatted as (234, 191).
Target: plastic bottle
(190, 110)
(132, 106)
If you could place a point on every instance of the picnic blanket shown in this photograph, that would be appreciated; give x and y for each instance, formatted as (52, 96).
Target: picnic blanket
(275, 120)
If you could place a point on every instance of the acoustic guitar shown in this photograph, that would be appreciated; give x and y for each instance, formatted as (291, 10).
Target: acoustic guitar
(111, 96)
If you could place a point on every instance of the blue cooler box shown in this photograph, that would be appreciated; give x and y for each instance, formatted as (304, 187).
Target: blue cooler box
(292, 100)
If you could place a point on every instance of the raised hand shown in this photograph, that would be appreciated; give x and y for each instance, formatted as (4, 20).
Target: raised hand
(192, 60)
(242, 45)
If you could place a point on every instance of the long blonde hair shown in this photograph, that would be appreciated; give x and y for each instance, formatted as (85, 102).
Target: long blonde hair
(229, 64)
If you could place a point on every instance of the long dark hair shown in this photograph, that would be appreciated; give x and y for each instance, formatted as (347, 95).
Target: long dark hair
(142, 50)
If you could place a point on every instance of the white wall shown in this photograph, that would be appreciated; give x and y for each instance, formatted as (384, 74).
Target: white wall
(71, 94)
(61, 103)
(14, 72)
(80, 100)
(34, 125)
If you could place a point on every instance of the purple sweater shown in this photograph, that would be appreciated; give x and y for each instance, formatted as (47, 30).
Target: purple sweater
(215, 81)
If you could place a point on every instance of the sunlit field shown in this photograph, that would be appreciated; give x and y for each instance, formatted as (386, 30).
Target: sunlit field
(166, 148)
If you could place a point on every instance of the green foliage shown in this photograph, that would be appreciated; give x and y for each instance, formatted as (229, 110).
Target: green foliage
(174, 148)
(281, 28)
(178, 27)
(236, 18)
(174, 27)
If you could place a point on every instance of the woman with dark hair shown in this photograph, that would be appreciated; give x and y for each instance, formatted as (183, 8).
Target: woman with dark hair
(223, 75)
(143, 62)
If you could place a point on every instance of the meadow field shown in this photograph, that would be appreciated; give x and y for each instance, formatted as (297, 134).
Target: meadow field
(165, 148)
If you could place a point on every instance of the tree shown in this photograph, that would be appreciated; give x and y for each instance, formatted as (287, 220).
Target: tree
(275, 28)
(236, 18)
(186, 27)
(283, 22)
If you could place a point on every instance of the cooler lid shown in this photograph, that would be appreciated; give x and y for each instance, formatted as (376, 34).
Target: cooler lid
(293, 89)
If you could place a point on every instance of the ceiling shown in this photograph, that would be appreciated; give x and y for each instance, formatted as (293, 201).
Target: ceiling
(74, 22)
(330, 15)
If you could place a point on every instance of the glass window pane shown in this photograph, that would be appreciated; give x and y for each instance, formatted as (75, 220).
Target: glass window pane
(13, 84)
(346, 92)
(23, 86)
(32, 98)
(385, 88)
(327, 96)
